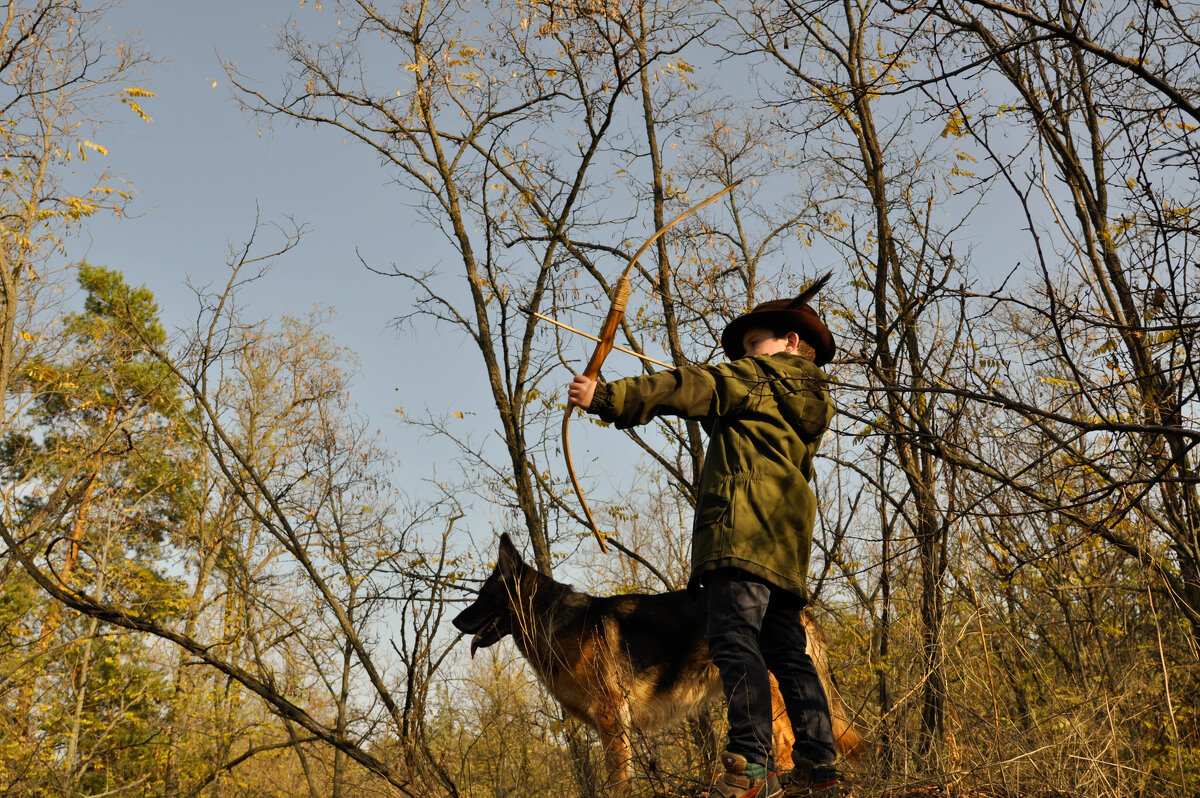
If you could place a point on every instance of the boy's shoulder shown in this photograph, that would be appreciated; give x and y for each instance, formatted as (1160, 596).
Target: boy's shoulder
(782, 365)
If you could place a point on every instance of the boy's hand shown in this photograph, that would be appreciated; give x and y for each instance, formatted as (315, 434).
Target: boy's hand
(580, 391)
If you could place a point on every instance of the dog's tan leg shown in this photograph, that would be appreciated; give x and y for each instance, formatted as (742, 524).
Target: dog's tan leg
(613, 727)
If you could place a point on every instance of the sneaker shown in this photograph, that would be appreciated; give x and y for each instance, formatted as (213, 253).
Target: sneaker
(743, 779)
(810, 780)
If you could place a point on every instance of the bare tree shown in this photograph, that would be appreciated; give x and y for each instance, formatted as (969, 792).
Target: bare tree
(1115, 306)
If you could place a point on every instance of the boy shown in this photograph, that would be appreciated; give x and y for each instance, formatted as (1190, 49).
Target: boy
(765, 413)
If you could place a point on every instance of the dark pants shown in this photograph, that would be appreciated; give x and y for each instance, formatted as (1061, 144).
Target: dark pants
(753, 627)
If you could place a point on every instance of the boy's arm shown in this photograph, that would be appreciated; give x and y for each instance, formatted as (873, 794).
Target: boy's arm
(688, 391)
(709, 392)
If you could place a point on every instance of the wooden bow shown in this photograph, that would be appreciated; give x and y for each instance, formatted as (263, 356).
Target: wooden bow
(606, 339)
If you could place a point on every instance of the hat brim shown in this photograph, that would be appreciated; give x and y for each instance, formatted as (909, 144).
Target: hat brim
(805, 322)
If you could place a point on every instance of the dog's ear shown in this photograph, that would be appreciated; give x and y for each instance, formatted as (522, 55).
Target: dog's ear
(510, 559)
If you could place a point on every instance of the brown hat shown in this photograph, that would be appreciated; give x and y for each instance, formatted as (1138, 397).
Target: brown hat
(780, 314)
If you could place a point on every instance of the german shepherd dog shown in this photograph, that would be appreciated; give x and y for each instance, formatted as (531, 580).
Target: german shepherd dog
(624, 662)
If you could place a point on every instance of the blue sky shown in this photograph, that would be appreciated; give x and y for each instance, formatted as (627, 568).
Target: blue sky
(203, 169)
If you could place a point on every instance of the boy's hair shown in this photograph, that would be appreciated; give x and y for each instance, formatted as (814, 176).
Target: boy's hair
(781, 331)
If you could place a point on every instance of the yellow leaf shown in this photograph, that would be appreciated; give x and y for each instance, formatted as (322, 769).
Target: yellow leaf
(137, 109)
(956, 125)
(458, 414)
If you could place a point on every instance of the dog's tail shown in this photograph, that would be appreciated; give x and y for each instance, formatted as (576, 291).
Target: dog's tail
(850, 742)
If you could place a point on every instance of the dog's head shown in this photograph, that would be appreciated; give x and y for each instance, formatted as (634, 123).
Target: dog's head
(490, 616)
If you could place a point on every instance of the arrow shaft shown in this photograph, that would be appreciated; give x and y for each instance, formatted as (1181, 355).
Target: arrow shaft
(588, 335)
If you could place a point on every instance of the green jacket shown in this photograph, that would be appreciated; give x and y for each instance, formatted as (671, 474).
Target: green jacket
(765, 417)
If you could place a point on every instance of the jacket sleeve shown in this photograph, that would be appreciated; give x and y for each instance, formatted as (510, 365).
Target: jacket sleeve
(695, 392)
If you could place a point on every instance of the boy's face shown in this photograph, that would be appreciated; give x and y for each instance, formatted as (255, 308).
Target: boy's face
(761, 341)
